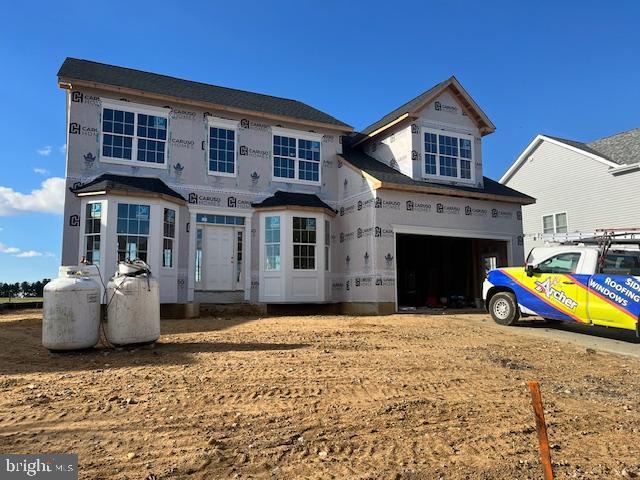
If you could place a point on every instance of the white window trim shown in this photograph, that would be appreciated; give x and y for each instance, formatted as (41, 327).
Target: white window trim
(555, 225)
(174, 239)
(437, 176)
(227, 125)
(279, 243)
(315, 245)
(134, 108)
(84, 230)
(298, 135)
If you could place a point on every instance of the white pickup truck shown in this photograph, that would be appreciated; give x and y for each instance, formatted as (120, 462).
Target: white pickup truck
(592, 284)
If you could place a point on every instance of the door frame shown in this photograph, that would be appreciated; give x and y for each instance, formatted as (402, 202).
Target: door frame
(442, 232)
(194, 211)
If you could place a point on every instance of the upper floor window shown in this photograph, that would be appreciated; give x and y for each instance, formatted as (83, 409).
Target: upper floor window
(448, 156)
(556, 223)
(222, 147)
(296, 159)
(130, 135)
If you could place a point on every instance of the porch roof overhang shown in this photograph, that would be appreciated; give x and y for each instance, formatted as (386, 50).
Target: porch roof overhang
(294, 201)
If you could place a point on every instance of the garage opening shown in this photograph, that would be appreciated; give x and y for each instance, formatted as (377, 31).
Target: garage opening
(444, 272)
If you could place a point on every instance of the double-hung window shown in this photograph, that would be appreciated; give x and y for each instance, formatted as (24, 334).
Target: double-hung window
(556, 223)
(93, 217)
(447, 156)
(133, 231)
(133, 134)
(222, 147)
(327, 245)
(296, 157)
(169, 234)
(304, 243)
(272, 243)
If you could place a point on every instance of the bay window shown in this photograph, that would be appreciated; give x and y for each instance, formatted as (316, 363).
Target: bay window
(272, 243)
(304, 243)
(133, 231)
(448, 156)
(296, 158)
(92, 227)
(133, 134)
(168, 236)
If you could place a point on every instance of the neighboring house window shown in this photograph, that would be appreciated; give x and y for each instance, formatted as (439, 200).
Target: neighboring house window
(93, 216)
(556, 223)
(198, 255)
(272, 243)
(562, 263)
(133, 231)
(448, 156)
(222, 150)
(169, 234)
(128, 135)
(327, 245)
(304, 243)
(296, 158)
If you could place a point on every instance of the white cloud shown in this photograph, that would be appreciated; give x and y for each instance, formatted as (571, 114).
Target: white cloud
(28, 254)
(49, 198)
(17, 252)
(63, 149)
(41, 171)
(45, 151)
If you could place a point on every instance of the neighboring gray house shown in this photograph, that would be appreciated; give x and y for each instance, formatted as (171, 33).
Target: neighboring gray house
(580, 188)
(232, 196)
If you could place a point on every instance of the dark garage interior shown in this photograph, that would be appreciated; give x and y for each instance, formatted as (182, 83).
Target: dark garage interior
(444, 272)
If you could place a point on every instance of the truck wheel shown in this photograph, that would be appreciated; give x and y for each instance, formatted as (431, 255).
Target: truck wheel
(504, 308)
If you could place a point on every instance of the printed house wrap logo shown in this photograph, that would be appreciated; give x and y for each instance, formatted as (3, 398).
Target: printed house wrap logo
(447, 209)
(41, 466)
(203, 199)
(79, 97)
(445, 108)
(251, 125)
(253, 152)
(412, 206)
(77, 129)
(476, 212)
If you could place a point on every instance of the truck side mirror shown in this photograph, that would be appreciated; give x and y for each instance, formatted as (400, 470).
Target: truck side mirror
(530, 269)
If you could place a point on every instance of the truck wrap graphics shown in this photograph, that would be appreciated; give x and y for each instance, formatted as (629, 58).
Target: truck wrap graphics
(612, 300)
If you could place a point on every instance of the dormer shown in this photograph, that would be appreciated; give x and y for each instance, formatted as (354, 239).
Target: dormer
(436, 137)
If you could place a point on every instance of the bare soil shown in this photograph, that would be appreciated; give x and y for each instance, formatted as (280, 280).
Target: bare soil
(402, 397)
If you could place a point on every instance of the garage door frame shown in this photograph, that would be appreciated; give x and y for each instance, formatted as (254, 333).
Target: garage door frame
(443, 232)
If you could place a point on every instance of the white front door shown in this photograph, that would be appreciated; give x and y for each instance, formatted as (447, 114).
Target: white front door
(219, 258)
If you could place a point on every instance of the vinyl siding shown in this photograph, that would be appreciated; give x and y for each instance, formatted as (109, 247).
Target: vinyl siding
(562, 180)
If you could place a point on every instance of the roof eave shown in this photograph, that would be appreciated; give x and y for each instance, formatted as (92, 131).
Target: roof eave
(67, 83)
(132, 193)
(274, 208)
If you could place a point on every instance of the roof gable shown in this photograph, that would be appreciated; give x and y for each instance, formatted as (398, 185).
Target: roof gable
(579, 147)
(153, 83)
(414, 106)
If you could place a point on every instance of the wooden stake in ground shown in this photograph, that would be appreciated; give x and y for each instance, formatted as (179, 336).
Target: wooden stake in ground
(541, 426)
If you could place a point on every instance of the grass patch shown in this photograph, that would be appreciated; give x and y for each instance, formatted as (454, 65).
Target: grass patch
(20, 300)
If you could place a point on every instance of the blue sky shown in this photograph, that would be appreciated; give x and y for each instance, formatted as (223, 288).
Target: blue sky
(564, 68)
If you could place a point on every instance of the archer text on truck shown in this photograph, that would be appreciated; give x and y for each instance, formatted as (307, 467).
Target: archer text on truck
(578, 283)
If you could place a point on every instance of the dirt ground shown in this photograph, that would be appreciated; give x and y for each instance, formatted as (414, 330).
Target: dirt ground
(402, 397)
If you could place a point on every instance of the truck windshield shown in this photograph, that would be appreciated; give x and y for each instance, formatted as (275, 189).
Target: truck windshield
(561, 263)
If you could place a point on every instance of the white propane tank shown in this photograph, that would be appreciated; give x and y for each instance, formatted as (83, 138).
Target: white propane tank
(71, 316)
(91, 271)
(133, 299)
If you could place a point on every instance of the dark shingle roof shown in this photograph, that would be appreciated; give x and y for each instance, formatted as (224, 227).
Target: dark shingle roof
(621, 148)
(86, 70)
(387, 174)
(284, 199)
(410, 106)
(109, 181)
